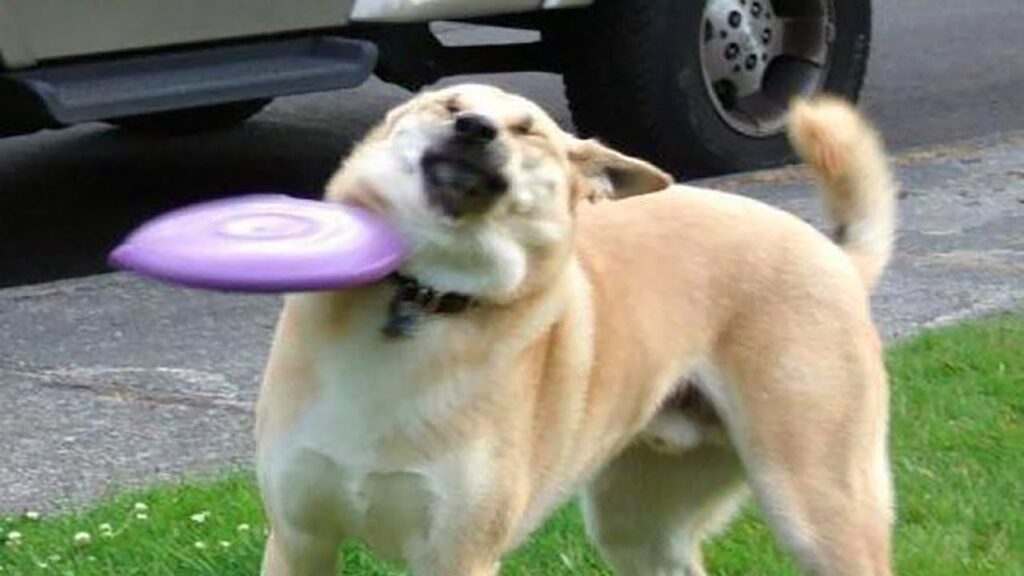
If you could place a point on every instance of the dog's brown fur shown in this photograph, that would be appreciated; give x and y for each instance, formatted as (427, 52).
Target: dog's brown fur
(445, 449)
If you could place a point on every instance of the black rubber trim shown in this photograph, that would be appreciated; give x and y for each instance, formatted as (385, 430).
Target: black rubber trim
(194, 78)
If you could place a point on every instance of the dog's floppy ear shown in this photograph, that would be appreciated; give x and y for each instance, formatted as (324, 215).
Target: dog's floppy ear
(607, 173)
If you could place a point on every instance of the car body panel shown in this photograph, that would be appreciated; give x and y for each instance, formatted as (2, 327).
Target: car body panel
(14, 51)
(32, 31)
(64, 62)
(420, 10)
(551, 4)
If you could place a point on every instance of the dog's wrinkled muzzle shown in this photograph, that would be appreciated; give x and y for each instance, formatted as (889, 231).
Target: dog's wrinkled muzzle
(463, 172)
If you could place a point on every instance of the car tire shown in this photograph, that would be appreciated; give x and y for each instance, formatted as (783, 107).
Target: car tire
(642, 75)
(192, 120)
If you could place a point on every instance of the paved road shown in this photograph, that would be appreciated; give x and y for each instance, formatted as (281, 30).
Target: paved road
(107, 381)
(941, 70)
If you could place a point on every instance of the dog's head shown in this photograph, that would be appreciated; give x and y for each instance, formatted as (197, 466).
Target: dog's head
(484, 185)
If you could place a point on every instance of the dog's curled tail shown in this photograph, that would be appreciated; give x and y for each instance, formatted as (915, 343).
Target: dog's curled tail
(859, 193)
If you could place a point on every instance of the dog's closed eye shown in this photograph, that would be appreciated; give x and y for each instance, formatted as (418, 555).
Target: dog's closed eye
(524, 127)
(452, 105)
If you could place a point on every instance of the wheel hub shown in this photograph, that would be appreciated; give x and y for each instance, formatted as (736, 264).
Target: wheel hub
(754, 59)
(741, 43)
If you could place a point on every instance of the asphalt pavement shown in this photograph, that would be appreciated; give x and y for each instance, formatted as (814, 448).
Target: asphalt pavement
(941, 70)
(114, 381)
(109, 381)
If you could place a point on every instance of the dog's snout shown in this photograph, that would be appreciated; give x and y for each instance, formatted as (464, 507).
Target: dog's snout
(475, 128)
(463, 169)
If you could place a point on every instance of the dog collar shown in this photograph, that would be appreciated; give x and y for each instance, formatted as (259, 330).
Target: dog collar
(413, 300)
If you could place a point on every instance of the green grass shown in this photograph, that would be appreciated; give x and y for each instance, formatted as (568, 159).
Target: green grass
(958, 444)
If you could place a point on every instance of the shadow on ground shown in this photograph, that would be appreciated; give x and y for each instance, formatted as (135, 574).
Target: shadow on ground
(73, 195)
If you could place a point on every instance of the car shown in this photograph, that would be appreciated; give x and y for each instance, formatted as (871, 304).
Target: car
(697, 86)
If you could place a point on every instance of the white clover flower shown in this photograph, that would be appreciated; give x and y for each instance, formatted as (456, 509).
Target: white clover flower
(224, 544)
(140, 507)
(42, 565)
(200, 545)
(106, 530)
(54, 558)
(142, 516)
(200, 517)
(244, 528)
(82, 539)
(14, 537)
(32, 515)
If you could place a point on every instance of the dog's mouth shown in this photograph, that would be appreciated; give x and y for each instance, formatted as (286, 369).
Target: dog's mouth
(462, 172)
(460, 184)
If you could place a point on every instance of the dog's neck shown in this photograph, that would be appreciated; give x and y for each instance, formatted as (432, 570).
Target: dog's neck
(412, 300)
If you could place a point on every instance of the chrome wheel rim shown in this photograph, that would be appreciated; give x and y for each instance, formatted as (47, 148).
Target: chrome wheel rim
(755, 58)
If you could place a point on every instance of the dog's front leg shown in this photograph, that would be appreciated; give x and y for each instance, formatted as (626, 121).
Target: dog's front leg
(299, 555)
(470, 539)
(473, 549)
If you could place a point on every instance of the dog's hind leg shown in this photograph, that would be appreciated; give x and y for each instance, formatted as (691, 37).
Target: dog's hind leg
(806, 407)
(648, 510)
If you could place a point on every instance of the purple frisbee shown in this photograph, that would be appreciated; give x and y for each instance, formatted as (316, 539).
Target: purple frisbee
(263, 243)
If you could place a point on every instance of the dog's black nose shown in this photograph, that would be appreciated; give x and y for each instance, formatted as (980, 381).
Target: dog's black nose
(475, 128)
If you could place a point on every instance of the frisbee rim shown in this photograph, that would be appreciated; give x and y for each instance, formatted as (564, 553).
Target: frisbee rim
(378, 254)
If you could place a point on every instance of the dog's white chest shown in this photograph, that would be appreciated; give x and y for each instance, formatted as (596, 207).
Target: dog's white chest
(361, 461)
(394, 511)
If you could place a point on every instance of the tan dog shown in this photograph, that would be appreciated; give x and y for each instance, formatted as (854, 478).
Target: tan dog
(660, 352)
